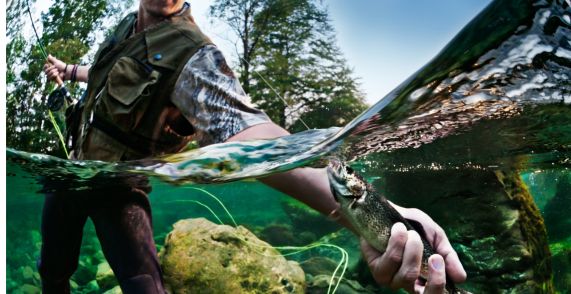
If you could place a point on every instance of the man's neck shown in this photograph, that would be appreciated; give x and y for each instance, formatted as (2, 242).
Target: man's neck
(146, 19)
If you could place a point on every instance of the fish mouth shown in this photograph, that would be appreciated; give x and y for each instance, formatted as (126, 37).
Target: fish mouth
(334, 169)
(338, 180)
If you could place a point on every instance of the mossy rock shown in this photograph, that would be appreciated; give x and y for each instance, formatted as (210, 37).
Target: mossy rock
(105, 277)
(562, 266)
(321, 284)
(202, 257)
(301, 215)
(319, 266)
(28, 289)
(491, 220)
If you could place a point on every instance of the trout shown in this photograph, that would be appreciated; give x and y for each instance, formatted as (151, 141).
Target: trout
(372, 216)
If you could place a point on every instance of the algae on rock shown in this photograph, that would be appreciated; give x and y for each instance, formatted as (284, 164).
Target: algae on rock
(202, 257)
(491, 219)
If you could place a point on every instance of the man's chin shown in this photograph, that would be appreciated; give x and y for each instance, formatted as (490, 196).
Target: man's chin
(160, 13)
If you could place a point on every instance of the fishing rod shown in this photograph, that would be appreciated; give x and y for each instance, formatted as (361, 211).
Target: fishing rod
(58, 96)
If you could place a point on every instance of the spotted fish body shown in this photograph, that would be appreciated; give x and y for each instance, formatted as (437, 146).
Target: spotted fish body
(371, 215)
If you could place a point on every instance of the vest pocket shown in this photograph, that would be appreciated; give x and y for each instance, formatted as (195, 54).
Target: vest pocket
(129, 91)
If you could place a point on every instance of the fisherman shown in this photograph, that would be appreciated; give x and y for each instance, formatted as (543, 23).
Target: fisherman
(156, 84)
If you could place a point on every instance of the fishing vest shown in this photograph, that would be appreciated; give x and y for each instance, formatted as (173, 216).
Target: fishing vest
(127, 113)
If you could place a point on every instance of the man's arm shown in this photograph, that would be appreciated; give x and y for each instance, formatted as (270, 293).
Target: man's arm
(209, 95)
(57, 68)
(399, 266)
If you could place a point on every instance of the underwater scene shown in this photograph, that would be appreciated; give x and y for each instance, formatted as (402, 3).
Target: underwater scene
(479, 139)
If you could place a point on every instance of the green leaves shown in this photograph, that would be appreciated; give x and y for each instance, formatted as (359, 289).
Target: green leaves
(68, 30)
(291, 44)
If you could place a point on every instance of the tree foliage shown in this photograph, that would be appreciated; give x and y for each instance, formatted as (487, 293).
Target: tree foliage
(289, 61)
(68, 30)
(287, 45)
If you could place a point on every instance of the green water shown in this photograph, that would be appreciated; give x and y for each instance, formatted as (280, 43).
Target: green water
(254, 206)
(455, 140)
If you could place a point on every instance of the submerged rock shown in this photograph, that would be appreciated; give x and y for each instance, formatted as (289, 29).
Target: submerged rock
(562, 265)
(322, 283)
(492, 222)
(202, 257)
(279, 235)
(319, 266)
(105, 277)
(115, 290)
(306, 220)
(28, 289)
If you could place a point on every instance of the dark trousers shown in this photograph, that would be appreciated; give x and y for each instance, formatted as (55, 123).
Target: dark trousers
(122, 218)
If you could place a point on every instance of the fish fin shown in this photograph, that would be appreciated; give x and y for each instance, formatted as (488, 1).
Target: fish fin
(417, 227)
(427, 247)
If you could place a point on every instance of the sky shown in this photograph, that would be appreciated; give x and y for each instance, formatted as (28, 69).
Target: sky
(384, 41)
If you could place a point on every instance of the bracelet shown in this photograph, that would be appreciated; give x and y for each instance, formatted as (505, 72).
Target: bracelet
(74, 72)
(65, 71)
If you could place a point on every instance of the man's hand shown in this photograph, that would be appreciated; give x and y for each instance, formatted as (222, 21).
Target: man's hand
(55, 68)
(399, 266)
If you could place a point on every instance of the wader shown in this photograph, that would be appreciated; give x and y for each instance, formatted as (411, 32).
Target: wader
(126, 115)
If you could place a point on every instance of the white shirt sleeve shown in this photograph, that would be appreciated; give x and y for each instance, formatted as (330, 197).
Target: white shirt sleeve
(210, 96)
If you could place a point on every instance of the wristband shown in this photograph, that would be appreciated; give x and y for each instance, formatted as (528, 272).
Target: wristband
(74, 72)
(65, 72)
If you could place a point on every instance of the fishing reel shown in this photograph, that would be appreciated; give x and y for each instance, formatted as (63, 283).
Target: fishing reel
(57, 98)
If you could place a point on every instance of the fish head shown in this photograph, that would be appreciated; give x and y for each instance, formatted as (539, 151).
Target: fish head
(348, 187)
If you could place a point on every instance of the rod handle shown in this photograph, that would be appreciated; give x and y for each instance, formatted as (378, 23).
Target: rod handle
(59, 81)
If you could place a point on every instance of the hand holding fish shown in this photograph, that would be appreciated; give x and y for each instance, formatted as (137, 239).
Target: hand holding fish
(399, 266)
(404, 248)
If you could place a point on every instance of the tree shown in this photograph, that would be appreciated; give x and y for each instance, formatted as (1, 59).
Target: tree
(69, 31)
(299, 70)
(243, 17)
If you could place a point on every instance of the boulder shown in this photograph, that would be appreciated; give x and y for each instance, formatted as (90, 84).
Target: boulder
(491, 220)
(201, 257)
(115, 290)
(321, 284)
(91, 287)
(105, 277)
(28, 289)
(319, 266)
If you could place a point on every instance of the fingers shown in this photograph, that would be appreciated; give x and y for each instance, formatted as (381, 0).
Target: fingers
(436, 275)
(437, 237)
(409, 269)
(52, 72)
(56, 62)
(52, 61)
(454, 267)
(387, 265)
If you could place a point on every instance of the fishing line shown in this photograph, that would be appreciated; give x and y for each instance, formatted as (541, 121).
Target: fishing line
(42, 49)
(343, 263)
(58, 131)
(201, 204)
(274, 90)
(219, 202)
(60, 93)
